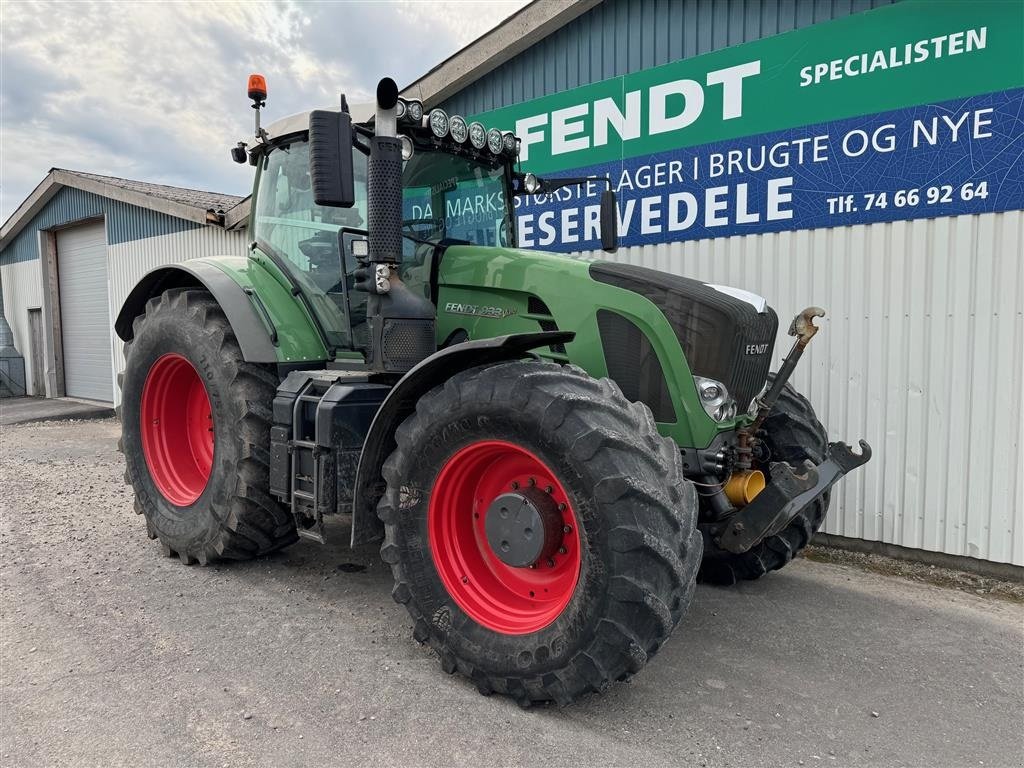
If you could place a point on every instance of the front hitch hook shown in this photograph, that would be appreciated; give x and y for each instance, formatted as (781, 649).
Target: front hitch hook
(803, 326)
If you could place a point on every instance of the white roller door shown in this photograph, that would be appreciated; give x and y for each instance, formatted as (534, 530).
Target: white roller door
(84, 312)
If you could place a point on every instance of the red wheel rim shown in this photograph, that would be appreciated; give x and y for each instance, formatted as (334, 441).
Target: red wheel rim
(505, 599)
(177, 429)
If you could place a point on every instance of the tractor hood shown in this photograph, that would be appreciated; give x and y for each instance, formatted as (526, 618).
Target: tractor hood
(620, 314)
(726, 333)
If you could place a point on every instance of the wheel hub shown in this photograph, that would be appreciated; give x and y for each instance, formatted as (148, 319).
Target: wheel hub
(523, 527)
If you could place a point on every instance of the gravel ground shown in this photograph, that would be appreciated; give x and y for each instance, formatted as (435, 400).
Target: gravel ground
(113, 655)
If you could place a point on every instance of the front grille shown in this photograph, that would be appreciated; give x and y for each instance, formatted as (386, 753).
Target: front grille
(723, 338)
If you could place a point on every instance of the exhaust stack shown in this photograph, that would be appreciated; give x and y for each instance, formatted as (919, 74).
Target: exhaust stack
(384, 182)
(402, 324)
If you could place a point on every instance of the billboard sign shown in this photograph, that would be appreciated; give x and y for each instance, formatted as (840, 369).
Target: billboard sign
(909, 111)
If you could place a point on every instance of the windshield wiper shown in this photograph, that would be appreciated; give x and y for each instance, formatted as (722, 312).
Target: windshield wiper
(421, 240)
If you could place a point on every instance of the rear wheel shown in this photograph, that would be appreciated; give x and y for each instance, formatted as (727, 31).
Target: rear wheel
(792, 433)
(195, 420)
(539, 530)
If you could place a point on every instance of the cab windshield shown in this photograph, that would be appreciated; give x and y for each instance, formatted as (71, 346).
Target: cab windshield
(446, 199)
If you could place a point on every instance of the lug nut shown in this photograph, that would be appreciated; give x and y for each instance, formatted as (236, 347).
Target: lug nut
(515, 485)
(561, 550)
(551, 562)
(566, 529)
(533, 482)
(548, 489)
(561, 507)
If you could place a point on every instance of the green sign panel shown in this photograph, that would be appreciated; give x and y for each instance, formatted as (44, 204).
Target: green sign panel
(914, 52)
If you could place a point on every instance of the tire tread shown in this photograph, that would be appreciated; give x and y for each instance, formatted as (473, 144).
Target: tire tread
(651, 523)
(254, 524)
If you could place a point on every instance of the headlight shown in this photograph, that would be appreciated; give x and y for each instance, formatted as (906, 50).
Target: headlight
(714, 398)
(407, 148)
(459, 129)
(400, 109)
(509, 143)
(531, 183)
(495, 141)
(414, 109)
(439, 123)
(477, 135)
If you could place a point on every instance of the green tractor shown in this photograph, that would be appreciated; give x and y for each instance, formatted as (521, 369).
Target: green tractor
(552, 450)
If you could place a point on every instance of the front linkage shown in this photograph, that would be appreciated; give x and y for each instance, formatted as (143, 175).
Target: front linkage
(792, 488)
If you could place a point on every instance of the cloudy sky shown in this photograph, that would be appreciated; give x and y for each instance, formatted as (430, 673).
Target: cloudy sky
(156, 91)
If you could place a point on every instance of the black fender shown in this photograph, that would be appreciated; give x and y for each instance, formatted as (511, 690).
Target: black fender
(401, 401)
(250, 330)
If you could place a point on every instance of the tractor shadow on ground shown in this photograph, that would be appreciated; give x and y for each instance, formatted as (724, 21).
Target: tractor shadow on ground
(305, 563)
(356, 577)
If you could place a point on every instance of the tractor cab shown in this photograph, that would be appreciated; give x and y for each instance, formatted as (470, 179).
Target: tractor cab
(458, 184)
(454, 192)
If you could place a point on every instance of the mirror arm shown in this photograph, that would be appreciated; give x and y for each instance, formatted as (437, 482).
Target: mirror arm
(550, 185)
(553, 184)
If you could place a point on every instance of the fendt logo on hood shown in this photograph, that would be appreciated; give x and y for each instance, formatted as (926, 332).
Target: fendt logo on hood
(757, 349)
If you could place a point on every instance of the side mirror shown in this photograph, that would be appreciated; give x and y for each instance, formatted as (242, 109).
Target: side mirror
(330, 158)
(609, 222)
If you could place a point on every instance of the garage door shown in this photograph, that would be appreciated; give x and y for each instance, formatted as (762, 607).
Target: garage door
(84, 312)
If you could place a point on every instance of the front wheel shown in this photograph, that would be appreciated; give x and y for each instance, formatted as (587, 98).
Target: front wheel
(539, 530)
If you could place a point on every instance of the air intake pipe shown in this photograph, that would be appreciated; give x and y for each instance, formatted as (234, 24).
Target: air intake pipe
(402, 324)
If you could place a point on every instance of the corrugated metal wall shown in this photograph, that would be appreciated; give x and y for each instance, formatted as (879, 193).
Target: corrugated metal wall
(623, 36)
(922, 354)
(127, 262)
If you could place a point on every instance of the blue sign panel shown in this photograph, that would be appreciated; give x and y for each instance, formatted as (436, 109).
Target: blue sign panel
(958, 157)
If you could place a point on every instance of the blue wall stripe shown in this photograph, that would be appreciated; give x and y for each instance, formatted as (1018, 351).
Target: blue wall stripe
(125, 222)
(619, 37)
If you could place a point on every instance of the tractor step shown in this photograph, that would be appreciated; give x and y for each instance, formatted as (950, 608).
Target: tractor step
(307, 464)
(311, 535)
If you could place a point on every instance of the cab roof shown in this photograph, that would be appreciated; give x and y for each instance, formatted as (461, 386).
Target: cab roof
(299, 122)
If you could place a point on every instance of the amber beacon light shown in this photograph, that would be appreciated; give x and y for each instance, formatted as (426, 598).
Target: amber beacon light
(257, 87)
